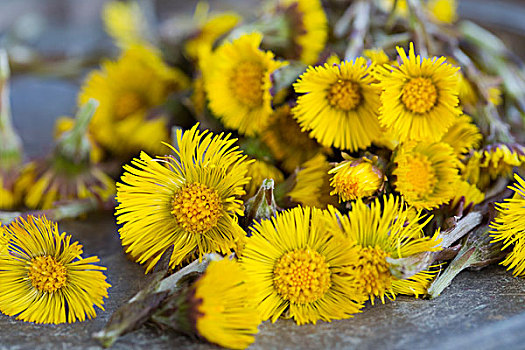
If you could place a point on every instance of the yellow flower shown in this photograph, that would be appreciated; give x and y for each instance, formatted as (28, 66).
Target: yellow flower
(209, 29)
(467, 94)
(333, 59)
(299, 267)
(312, 187)
(287, 143)
(46, 182)
(377, 56)
(9, 198)
(127, 91)
(426, 174)
(188, 200)
(355, 179)
(4, 240)
(495, 95)
(124, 22)
(238, 84)
(509, 227)
(463, 135)
(308, 25)
(380, 231)
(498, 160)
(339, 105)
(260, 170)
(401, 6)
(225, 305)
(470, 193)
(420, 97)
(443, 10)
(44, 277)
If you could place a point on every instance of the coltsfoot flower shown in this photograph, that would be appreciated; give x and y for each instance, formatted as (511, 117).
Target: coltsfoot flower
(312, 183)
(298, 266)
(307, 26)
(44, 277)
(426, 173)
(355, 179)
(189, 200)
(287, 143)
(382, 231)
(220, 307)
(238, 82)
(339, 104)
(128, 90)
(491, 162)
(419, 98)
(509, 227)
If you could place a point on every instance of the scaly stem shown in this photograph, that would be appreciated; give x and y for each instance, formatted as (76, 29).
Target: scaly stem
(10, 143)
(74, 144)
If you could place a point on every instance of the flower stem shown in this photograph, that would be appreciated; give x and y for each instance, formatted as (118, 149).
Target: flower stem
(10, 143)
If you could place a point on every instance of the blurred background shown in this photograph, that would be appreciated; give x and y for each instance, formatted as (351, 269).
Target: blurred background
(53, 44)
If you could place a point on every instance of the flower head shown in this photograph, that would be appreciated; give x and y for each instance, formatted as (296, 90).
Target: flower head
(355, 179)
(470, 193)
(44, 278)
(209, 28)
(381, 231)
(463, 135)
(299, 266)
(308, 28)
(225, 305)
(426, 174)
(443, 10)
(67, 174)
(238, 84)
(312, 183)
(189, 200)
(420, 97)
(54, 180)
(509, 227)
(491, 162)
(339, 105)
(287, 143)
(128, 90)
(125, 23)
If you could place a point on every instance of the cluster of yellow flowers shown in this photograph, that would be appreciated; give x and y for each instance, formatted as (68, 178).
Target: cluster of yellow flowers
(370, 156)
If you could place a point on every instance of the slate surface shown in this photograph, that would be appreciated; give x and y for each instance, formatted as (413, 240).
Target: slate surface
(482, 310)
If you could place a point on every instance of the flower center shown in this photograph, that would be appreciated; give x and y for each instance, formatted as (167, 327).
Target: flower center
(128, 103)
(419, 177)
(47, 274)
(344, 95)
(197, 208)
(247, 84)
(419, 95)
(372, 271)
(301, 276)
